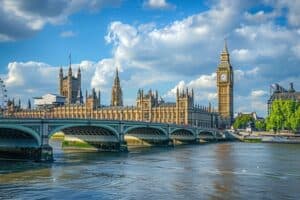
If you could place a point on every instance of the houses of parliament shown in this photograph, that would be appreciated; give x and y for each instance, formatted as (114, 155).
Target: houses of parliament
(149, 107)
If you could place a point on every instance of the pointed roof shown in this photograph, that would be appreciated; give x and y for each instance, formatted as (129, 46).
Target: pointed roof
(70, 65)
(225, 49)
(117, 80)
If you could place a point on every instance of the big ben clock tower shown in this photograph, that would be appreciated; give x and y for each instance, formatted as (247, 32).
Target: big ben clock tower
(225, 86)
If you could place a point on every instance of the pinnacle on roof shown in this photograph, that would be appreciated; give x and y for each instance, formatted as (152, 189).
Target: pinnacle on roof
(70, 68)
(117, 80)
(225, 49)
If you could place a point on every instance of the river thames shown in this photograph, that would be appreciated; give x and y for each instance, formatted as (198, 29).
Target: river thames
(211, 171)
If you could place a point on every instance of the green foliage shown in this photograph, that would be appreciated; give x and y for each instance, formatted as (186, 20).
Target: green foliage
(242, 121)
(285, 115)
(260, 125)
(295, 121)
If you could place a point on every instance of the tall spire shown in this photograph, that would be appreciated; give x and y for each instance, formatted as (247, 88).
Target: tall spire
(29, 104)
(225, 60)
(61, 73)
(79, 99)
(70, 65)
(117, 79)
(225, 49)
(116, 94)
(99, 98)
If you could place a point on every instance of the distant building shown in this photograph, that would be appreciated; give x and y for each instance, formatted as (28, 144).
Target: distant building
(279, 92)
(116, 93)
(250, 126)
(49, 100)
(70, 86)
(251, 114)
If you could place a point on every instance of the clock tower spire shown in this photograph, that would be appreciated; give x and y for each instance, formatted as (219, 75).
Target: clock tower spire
(225, 86)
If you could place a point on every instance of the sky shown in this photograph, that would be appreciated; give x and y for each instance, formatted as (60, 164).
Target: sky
(156, 44)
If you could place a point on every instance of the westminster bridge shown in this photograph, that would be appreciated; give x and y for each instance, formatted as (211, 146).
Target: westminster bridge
(31, 136)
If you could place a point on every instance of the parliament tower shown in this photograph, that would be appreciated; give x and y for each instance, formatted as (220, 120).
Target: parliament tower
(225, 86)
(70, 86)
(116, 93)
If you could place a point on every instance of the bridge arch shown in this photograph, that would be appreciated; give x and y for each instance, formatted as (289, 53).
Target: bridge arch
(206, 132)
(207, 135)
(22, 130)
(182, 130)
(141, 127)
(183, 135)
(70, 126)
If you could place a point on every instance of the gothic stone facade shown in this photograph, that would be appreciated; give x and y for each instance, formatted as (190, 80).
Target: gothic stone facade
(225, 87)
(70, 86)
(148, 106)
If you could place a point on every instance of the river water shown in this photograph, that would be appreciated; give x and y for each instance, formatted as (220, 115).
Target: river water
(210, 171)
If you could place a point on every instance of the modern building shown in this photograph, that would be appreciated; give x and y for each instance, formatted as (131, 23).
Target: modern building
(279, 92)
(49, 100)
(149, 107)
(225, 87)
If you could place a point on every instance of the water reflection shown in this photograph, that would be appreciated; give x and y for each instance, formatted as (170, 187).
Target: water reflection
(214, 171)
(225, 167)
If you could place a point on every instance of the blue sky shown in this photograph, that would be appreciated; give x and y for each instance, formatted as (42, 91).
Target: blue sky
(158, 44)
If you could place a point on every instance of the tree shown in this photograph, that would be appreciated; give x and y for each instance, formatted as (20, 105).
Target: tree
(242, 121)
(276, 118)
(285, 115)
(260, 125)
(295, 121)
(288, 110)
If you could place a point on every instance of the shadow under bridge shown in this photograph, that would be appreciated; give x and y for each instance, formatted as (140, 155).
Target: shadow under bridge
(183, 135)
(90, 136)
(143, 135)
(19, 142)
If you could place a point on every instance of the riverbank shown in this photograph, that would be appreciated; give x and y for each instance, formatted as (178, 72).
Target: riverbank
(267, 137)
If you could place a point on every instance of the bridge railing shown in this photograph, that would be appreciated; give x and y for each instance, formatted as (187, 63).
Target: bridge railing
(184, 126)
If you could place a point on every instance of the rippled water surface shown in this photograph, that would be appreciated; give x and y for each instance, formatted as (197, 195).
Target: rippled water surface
(212, 171)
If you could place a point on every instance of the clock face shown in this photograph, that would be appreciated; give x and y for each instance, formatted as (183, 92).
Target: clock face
(223, 77)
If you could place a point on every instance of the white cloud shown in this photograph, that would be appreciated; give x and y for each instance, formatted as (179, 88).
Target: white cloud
(22, 19)
(204, 88)
(260, 16)
(187, 43)
(293, 12)
(104, 72)
(149, 78)
(296, 50)
(25, 79)
(240, 75)
(243, 54)
(67, 34)
(158, 4)
(183, 53)
(258, 93)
